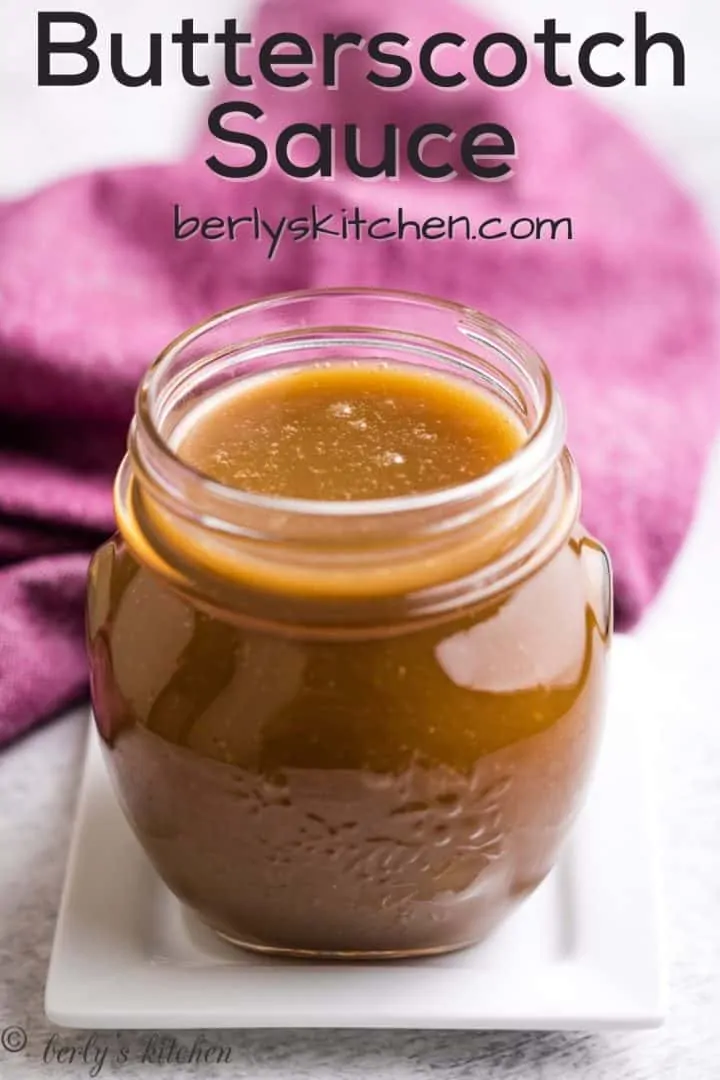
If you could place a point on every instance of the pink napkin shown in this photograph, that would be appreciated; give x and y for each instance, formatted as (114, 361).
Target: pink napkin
(93, 284)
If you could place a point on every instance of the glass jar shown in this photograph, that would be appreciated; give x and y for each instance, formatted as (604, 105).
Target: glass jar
(349, 729)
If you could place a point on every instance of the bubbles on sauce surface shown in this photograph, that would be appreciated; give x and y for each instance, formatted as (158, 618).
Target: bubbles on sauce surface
(350, 430)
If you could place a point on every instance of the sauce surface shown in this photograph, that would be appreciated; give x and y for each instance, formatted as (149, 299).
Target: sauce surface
(345, 431)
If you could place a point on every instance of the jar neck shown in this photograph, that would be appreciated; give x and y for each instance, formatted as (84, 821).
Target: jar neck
(345, 563)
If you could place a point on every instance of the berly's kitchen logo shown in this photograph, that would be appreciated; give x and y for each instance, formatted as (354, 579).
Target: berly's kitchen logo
(103, 1054)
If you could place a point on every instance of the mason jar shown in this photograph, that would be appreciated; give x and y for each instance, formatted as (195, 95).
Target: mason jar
(353, 728)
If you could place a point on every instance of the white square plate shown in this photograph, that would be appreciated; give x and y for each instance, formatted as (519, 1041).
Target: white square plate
(581, 953)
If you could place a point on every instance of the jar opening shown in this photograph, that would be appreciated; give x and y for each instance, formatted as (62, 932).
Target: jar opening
(496, 518)
(404, 328)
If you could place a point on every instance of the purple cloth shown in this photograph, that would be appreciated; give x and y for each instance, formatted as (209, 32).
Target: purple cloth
(93, 284)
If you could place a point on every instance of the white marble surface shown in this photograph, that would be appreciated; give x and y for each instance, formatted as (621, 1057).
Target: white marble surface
(43, 134)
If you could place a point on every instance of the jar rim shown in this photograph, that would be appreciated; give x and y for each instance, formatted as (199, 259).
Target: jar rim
(538, 452)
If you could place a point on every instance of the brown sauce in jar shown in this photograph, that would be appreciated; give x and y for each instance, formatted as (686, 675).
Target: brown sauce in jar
(373, 795)
(346, 432)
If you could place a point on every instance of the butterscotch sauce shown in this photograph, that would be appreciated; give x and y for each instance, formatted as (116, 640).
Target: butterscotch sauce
(343, 431)
(381, 795)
